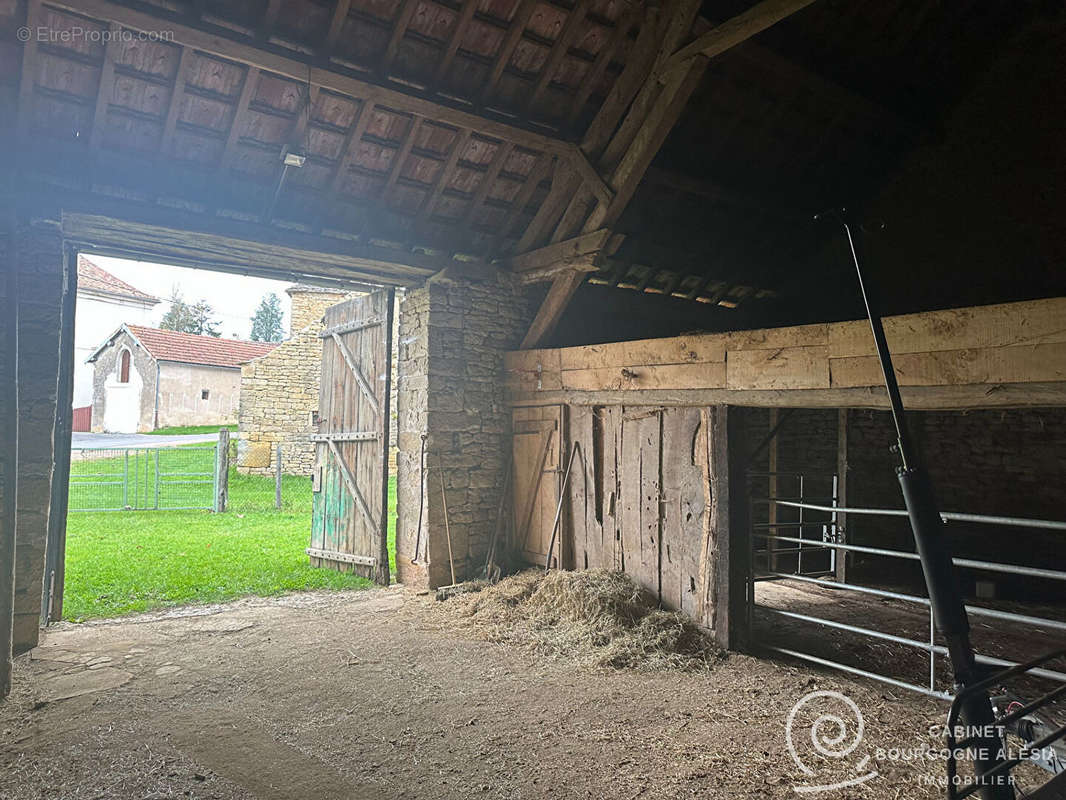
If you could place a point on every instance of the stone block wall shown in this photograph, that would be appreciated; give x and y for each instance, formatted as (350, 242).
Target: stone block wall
(452, 337)
(280, 391)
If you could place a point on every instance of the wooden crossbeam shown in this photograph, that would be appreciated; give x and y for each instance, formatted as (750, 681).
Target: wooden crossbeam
(353, 487)
(587, 244)
(360, 378)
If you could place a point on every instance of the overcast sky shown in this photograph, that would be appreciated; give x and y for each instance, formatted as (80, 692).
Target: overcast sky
(233, 297)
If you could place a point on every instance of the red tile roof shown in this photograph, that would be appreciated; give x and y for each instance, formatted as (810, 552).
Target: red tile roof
(192, 349)
(94, 279)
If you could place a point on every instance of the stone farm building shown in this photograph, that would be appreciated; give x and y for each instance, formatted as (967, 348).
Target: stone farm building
(147, 378)
(279, 390)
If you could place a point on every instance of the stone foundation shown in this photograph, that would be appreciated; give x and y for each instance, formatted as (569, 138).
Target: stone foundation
(452, 337)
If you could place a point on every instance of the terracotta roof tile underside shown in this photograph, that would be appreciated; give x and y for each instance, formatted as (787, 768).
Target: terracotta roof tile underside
(94, 279)
(192, 349)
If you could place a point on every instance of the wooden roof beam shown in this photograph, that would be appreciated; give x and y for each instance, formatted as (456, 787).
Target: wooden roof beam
(577, 248)
(27, 78)
(105, 88)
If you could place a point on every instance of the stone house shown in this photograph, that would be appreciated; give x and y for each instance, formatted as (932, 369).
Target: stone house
(147, 378)
(102, 298)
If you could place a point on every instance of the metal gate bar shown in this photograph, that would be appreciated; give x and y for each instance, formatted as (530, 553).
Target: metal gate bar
(766, 533)
(140, 478)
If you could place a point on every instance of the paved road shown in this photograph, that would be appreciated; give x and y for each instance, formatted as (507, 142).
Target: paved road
(137, 439)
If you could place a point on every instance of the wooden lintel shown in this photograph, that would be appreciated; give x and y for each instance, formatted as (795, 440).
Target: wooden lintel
(585, 244)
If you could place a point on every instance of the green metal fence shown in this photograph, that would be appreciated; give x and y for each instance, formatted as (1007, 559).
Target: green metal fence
(143, 478)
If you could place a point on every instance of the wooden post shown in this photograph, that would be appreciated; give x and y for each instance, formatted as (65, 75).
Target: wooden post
(771, 508)
(277, 476)
(738, 549)
(222, 471)
(842, 495)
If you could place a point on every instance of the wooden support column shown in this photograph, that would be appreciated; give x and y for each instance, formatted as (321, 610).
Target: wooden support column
(735, 549)
(842, 494)
(771, 509)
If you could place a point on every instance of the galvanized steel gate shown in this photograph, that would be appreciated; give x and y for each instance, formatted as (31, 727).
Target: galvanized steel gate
(349, 517)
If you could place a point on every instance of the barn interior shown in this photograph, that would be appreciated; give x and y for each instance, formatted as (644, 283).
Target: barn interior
(625, 342)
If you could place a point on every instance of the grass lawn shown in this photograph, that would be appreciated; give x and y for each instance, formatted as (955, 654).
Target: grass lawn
(185, 430)
(125, 561)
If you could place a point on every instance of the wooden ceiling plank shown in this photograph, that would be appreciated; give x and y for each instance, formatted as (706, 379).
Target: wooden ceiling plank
(514, 35)
(349, 150)
(106, 87)
(177, 95)
(306, 71)
(737, 29)
(458, 31)
(559, 49)
(599, 66)
(444, 176)
(403, 19)
(251, 79)
(28, 70)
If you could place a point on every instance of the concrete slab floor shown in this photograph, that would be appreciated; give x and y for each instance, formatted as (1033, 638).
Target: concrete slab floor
(377, 694)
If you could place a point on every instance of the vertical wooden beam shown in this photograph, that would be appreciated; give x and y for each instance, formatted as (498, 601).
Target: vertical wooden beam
(517, 27)
(771, 508)
(105, 88)
(734, 563)
(842, 492)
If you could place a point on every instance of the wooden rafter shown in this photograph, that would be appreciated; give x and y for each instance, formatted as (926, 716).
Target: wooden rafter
(105, 88)
(303, 120)
(28, 76)
(517, 26)
(599, 66)
(270, 19)
(349, 149)
(550, 210)
(562, 251)
(738, 29)
(336, 25)
(399, 28)
(444, 176)
(177, 96)
(399, 157)
(574, 20)
(454, 40)
(540, 171)
(503, 152)
(251, 80)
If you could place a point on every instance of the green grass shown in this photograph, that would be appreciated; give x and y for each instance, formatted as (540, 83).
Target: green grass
(127, 561)
(185, 430)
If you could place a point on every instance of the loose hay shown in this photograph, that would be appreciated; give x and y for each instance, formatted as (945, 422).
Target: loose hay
(597, 617)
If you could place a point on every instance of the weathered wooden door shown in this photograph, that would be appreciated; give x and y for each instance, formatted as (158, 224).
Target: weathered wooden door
(538, 445)
(350, 482)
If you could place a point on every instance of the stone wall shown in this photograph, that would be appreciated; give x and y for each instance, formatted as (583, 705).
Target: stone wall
(181, 389)
(280, 391)
(124, 407)
(452, 337)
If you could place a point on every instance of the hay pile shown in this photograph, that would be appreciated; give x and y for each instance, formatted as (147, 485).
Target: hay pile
(597, 617)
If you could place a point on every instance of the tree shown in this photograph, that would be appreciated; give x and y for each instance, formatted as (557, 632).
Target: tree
(266, 324)
(185, 318)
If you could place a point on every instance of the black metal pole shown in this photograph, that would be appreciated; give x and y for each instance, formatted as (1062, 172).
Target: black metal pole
(949, 611)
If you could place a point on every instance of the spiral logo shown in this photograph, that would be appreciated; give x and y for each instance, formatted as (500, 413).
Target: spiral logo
(826, 727)
(23, 34)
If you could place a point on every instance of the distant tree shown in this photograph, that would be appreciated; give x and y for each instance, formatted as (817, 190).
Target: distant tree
(202, 322)
(185, 318)
(266, 324)
(179, 316)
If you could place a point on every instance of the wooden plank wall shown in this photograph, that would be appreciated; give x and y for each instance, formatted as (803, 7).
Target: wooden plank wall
(1008, 354)
(639, 501)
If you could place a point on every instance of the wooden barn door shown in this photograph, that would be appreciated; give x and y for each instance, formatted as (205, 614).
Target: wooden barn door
(538, 445)
(350, 482)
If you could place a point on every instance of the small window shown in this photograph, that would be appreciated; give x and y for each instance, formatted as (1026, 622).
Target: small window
(204, 394)
(124, 367)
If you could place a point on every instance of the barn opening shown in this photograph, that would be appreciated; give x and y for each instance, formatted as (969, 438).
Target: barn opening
(626, 291)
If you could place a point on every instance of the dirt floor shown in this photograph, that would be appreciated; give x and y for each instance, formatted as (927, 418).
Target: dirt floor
(378, 694)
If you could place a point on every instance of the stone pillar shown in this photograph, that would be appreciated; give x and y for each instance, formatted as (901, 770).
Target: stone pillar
(453, 334)
(40, 281)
